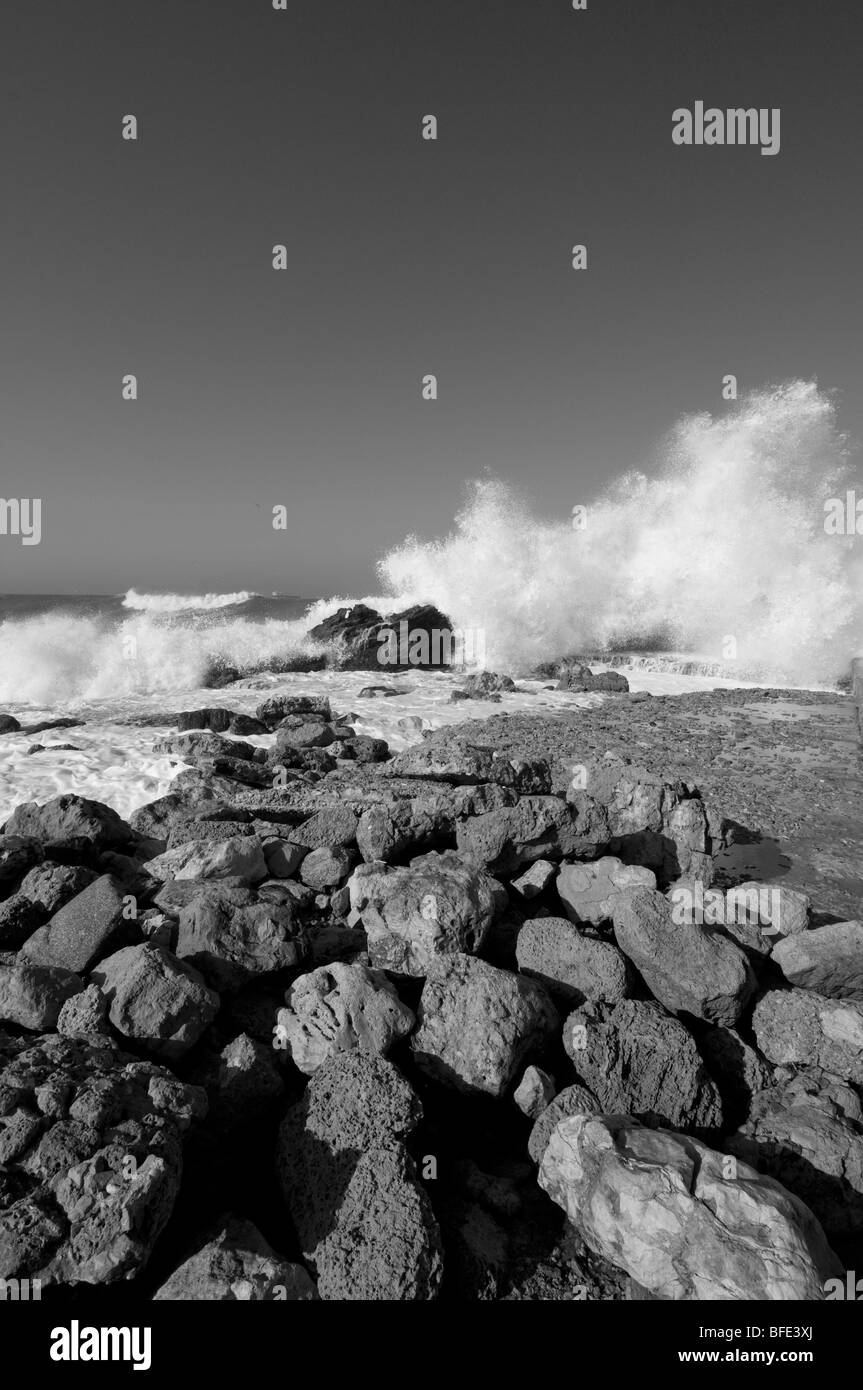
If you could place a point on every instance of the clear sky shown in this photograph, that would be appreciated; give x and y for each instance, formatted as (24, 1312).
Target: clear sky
(302, 388)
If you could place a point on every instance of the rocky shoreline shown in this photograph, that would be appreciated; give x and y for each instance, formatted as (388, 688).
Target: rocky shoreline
(545, 1007)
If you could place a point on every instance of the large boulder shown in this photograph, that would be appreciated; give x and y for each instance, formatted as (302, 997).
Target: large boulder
(17, 854)
(574, 965)
(457, 760)
(220, 721)
(237, 1266)
(662, 825)
(800, 1028)
(537, 827)
(31, 996)
(53, 885)
(155, 999)
(90, 926)
(679, 1218)
(828, 960)
(279, 707)
(340, 1008)
(638, 1061)
(231, 936)
(364, 1223)
(807, 1133)
(396, 825)
(68, 819)
(417, 638)
(239, 857)
(691, 969)
(436, 906)
(478, 1025)
(589, 892)
(91, 1185)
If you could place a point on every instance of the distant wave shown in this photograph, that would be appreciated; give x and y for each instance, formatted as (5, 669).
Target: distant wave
(179, 603)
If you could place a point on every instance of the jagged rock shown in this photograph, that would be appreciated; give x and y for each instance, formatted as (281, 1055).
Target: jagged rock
(54, 885)
(332, 825)
(239, 857)
(211, 831)
(84, 1014)
(689, 968)
(231, 936)
(479, 1024)
(463, 763)
(589, 892)
(573, 1100)
(237, 1265)
(97, 1183)
(537, 827)
(807, 1133)
(20, 917)
(90, 926)
(638, 1061)
(771, 905)
(66, 819)
(364, 1223)
(805, 1029)
(660, 825)
(534, 880)
(535, 1092)
(365, 749)
(325, 868)
(17, 853)
(828, 960)
(581, 678)
(573, 965)
(159, 1001)
(390, 829)
(278, 707)
(659, 1206)
(340, 1008)
(200, 743)
(31, 996)
(436, 906)
(220, 721)
(241, 1084)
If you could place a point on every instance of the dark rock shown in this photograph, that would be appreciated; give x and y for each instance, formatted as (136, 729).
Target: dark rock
(231, 937)
(89, 927)
(68, 818)
(157, 1000)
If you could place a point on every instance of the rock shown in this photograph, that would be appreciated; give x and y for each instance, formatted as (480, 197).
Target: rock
(572, 965)
(8, 724)
(340, 1008)
(157, 1000)
(240, 857)
(771, 905)
(534, 880)
(84, 1014)
(535, 1092)
(463, 763)
(589, 892)
(200, 744)
(391, 829)
(209, 831)
(278, 707)
(360, 639)
(692, 969)
(365, 749)
(795, 1026)
(574, 1100)
(17, 853)
(19, 918)
(484, 683)
(90, 926)
(434, 907)
(660, 1206)
(231, 937)
(54, 885)
(828, 960)
(738, 1070)
(807, 1133)
(364, 1224)
(100, 1178)
(378, 692)
(241, 1084)
(332, 825)
(659, 825)
(237, 1265)
(66, 819)
(283, 858)
(537, 827)
(581, 678)
(325, 868)
(479, 1024)
(638, 1061)
(220, 721)
(31, 996)
(313, 734)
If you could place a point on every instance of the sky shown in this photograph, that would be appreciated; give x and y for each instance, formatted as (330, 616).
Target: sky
(302, 388)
